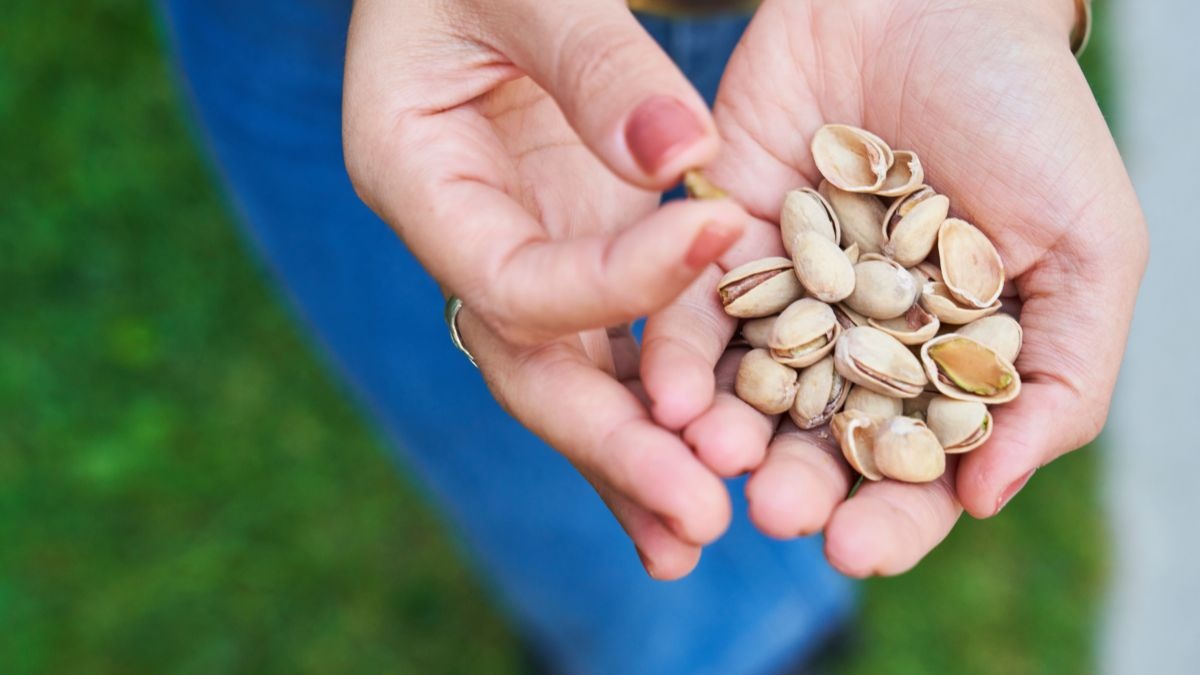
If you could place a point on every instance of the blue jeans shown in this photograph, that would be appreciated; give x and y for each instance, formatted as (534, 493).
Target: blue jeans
(265, 78)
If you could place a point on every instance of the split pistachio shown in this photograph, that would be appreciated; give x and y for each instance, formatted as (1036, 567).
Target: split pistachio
(820, 393)
(860, 216)
(912, 224)
(960, 426)
(805, 210)
(855, 433)
(765, 383)
(913, 328)
(966, 370)
(855, 160)
(874, 405)
(804, 333)
(873, 359)
(883, 289)
(823, 269)
(759, 288)
(971, 266)
(1000, 332)
(906, 450)
(905, 177)
(938, 301)
(756, 332)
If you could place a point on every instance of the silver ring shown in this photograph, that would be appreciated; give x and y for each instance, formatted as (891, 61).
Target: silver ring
(453, 306)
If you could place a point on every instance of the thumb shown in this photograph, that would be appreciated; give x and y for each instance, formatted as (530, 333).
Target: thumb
(620, 92)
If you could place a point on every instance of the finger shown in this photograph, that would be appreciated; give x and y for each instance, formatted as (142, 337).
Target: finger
(731, 437)
(888, 527)
(621, 93)
(663, 554)
(802, 481)
(600, 426)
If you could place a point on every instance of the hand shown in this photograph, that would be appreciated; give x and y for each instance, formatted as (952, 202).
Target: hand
(990, 97)
(519, 149)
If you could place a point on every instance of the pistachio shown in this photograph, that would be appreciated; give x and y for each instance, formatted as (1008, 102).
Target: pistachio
(759, 288)
(1000, 332)
(855, 433)
(882, 289)
(764, 383)
(822, 267)
(697, 186)
(853, 159)
(913, 328)
(860, 216)
(960, 426)
(756, 332)
(847, 317)
(970, 264)
(912, 224)
(938, 301)
(804, 333)
(852, 253)
(906, 450)
(820, 393)
(966, 370)
(874, 405)
(875, 360)
(805, 210)
(906, 175)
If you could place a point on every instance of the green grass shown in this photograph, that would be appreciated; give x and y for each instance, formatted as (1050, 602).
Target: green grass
(185, 489)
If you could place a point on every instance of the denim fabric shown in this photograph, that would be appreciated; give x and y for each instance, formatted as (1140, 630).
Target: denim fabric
(265, 79)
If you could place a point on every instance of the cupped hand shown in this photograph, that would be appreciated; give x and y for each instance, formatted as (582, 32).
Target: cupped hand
(989, 95)
(519, 149)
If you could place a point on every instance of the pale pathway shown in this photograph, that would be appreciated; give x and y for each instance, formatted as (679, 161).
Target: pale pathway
(1152, 624)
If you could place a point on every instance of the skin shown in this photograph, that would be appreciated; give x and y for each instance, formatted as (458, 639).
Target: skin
(494, 137)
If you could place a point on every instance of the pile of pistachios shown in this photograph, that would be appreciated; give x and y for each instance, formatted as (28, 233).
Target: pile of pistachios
(884, 323)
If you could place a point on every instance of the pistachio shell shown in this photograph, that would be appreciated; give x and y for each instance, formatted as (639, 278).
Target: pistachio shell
(906, 450)
(698, 186)
(804, 333)
(852, 253)
(764, 383)
(966, 370)
(882, 289)
(875, 360)
(853, 159)
(860, 216)
(905, 176)
(756, 332)
(872, 404)
(937, 300)
(912, 226)
(759, 288)
(970, 264)
(855, 434)
(960, 426)
(823, 269)
(914, 327)
(930, 272)
(1000, 332)
(821, 391)
(805, 210)
(847, 317)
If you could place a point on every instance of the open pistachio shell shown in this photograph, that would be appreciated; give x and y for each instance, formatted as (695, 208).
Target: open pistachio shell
(821, 392)
(765, 383)
(906, 175)
(999, 332)
(912, 225)
(914, 327)
(930, 272)
(805, 210)
(970, 264)
(853, 159)
(873, 359)
(966, 370)
(759, 288)
(860, 216)
(804, 333)
(938, 301)
(960, 426)
(872, 404)
(855, 433)
(823, 269)
(882, 289)
(756, 332)
(906, 450)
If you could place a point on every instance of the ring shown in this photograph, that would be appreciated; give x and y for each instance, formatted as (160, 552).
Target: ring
(454, 305)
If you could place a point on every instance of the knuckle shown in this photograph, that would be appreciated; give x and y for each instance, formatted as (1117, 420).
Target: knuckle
(592, 56)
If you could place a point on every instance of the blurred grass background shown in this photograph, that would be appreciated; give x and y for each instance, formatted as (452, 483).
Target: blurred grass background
(185, 489)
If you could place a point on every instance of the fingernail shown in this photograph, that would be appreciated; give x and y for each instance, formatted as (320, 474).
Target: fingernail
(713, 240)
(1012, 490)
(645, 562)
(660, 128)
